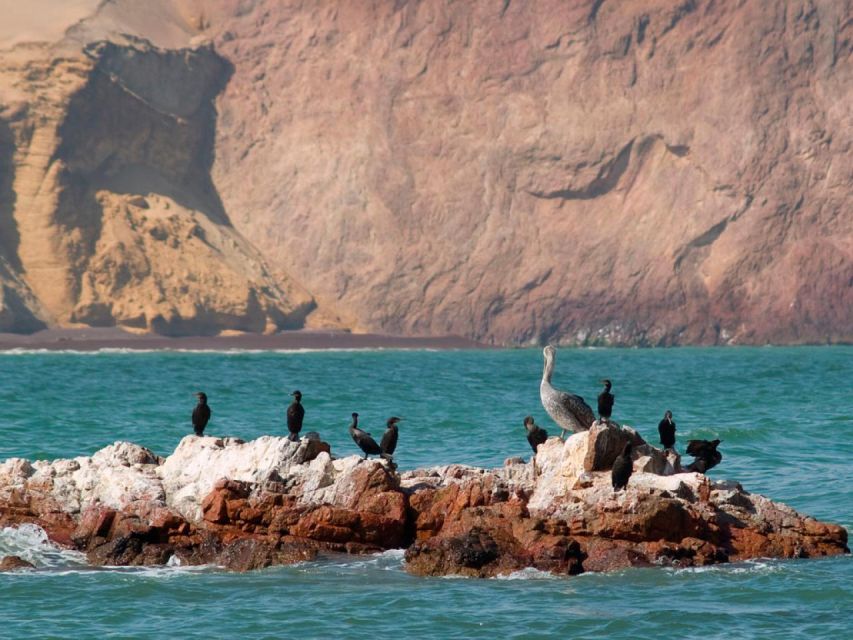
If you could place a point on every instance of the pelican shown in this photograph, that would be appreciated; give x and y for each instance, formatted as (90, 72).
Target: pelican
(569, 411)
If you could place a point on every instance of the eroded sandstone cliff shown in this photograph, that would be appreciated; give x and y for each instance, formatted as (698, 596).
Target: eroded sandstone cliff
(594, 172)
(109, 215)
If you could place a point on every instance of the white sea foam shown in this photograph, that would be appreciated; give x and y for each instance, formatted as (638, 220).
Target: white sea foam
(31, 543)
(529, 573)
(390, 560)
(758, 566)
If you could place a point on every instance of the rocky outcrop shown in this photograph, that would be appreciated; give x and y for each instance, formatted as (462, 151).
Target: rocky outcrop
(247, 505)
(583, 172)
(569, 520)
(13, 563)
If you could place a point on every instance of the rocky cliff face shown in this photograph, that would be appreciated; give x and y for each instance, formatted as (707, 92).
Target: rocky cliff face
(655, 172)
(587, 172)
(108, 211)
(246, 505)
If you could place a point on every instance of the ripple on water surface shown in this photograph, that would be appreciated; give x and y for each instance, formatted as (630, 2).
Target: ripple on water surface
(784, 416)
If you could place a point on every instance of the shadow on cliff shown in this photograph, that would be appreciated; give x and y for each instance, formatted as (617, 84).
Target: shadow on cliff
(15, 314)
(143, 125)
(9, 237)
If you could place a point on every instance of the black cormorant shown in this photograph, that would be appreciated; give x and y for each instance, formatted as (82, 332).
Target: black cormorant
(623, 466)
(295, 415)
(568, 410)
(536, 435)
(363, 439)
(706, 454)
(201, 414)
(389, 439)
(666, 429)
(605, 401)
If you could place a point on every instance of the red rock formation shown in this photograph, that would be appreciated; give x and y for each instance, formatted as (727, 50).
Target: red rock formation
(279, 502)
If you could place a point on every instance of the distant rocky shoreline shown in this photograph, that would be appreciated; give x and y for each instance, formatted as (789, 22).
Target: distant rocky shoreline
(248, 505)
(113, 338)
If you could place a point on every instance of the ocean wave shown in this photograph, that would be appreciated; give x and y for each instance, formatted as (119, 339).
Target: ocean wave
(759, 566)
(529, 573)
(158, 572)
(390, 560)
(31, 543)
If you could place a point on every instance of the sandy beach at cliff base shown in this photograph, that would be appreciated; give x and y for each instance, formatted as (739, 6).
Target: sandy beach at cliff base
(94, 339)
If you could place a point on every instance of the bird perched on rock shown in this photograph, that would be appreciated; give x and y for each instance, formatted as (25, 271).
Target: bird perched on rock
(201, 414)
(568, 410)
(362, 439)
(666, 429)
(623, 466)
(536, 435)
(295, 415)
(605, 401)
(389, 439)
(706, 454)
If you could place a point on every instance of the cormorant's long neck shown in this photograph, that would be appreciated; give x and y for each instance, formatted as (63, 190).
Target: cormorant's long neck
(549, 369)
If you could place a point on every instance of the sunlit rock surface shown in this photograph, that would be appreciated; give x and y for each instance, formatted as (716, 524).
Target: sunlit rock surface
(589, 172)
(247, 505)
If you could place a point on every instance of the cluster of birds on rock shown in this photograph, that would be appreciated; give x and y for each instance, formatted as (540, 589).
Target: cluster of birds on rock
(568, 410)
(295, 417)
(572, 413)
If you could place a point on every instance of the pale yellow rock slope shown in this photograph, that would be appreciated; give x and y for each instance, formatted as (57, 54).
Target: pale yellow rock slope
(108, 213)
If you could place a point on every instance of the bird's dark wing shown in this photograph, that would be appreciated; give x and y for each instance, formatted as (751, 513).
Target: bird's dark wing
(365, 442)
(696, 447)
(368, 445)
(389, 441)
(295, 415)
(201, 415)
(622, 469)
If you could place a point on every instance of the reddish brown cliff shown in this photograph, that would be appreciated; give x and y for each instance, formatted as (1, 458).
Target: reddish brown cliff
(651, 172)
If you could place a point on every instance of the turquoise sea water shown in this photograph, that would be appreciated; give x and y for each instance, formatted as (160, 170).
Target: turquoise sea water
(785, 416)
